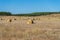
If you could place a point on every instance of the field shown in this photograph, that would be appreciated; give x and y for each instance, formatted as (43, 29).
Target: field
(43, 27)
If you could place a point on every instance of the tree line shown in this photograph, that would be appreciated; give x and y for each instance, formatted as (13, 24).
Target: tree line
(5, 13)
(29, 14)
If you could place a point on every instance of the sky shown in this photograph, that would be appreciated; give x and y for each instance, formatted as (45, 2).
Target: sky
(29, 6)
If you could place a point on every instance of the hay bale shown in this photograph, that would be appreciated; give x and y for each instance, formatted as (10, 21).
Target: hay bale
(30, 22)
(37, 18)
(1, 19)
(14, 18)
(9, 20)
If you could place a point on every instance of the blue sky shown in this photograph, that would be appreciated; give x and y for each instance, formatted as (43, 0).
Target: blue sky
(28, 6)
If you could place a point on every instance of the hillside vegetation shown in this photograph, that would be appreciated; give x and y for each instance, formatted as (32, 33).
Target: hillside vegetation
(29, 14)
(5, 13)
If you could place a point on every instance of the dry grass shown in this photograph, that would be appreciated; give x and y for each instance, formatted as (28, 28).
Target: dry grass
(44, 28)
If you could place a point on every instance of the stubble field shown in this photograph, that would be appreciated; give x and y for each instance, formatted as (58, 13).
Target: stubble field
(43, 27)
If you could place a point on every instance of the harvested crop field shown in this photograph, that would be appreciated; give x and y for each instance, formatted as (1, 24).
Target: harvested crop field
(43, 27)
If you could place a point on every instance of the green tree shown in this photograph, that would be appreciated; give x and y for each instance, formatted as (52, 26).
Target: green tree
(5, 13)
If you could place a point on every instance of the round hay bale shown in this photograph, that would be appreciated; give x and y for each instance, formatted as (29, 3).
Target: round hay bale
(1, 19)
(30, 22)
(9, 20)
(37, 18)
(14, 18)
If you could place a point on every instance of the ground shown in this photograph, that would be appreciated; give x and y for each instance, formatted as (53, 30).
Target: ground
(44, 27)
